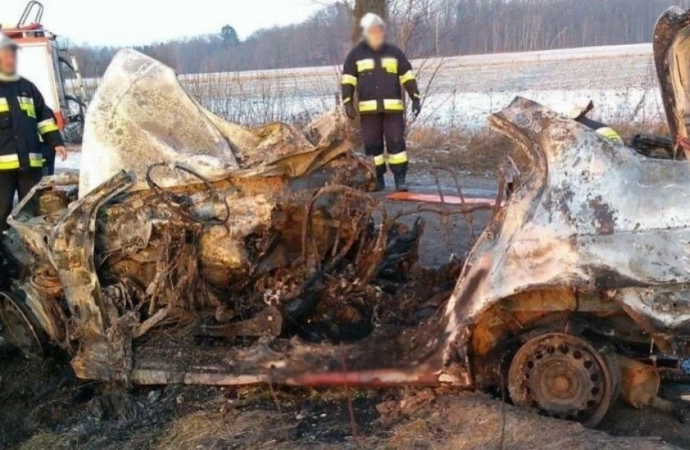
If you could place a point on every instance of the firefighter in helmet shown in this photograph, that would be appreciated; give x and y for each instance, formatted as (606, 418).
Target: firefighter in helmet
(25, 124)
(378, 71)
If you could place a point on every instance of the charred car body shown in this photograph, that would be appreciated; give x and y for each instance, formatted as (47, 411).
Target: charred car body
(578, 283)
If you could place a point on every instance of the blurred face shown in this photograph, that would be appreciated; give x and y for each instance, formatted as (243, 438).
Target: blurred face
(376, 36)
(8, 61)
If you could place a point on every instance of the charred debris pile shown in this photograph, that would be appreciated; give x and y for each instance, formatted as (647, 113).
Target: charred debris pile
(184, 231)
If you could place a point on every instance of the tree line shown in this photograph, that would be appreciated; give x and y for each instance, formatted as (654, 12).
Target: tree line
(422, 27)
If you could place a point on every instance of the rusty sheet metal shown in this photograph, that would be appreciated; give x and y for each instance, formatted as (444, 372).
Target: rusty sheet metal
(592, 215)
(72, 254)
(659, 310)
(640, 382)
(32, 230)
(671, 55)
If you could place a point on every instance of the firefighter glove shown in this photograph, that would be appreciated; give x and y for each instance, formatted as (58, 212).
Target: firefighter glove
(416, 107)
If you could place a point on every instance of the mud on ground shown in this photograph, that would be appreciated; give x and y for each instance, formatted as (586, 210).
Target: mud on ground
(42, 405)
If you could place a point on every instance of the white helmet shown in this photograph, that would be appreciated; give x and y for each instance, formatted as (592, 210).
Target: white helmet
(574, 109)
(371, 20)
(6, 42)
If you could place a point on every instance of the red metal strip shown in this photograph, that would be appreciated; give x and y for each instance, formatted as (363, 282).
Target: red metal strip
(436, 199)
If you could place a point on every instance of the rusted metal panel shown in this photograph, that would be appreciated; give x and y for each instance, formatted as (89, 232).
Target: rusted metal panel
(671, 51)
(640, 383)
(592, 215)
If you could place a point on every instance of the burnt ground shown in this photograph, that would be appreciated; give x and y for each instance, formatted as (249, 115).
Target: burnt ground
(42, 406)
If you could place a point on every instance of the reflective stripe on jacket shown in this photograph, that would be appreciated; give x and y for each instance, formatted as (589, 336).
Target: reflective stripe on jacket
(378, 76)
(25, 123)
(601, 128)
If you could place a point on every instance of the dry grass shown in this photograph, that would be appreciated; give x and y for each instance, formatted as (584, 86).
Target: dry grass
(474, 151)
(250, 429)
(44, 441)
(627, 130)
(415, 434)
(436, 137)
(255, 99)
(438, 420)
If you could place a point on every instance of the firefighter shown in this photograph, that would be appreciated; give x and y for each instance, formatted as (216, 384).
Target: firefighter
(25, 124)
(378, 71)
(578, 112)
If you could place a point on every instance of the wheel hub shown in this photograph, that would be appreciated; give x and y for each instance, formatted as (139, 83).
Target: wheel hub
(563, 376)
(20, 326)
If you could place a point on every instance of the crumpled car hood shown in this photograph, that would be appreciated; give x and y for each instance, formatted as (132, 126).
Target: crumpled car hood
(141, 115)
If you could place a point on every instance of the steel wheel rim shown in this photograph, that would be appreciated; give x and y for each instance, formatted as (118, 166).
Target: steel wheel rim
(565, 377)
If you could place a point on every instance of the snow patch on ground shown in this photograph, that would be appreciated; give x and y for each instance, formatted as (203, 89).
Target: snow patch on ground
(459, 91)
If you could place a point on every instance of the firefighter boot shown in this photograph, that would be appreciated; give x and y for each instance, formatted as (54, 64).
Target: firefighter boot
(400, 184)
(380, 178)
(380, 184)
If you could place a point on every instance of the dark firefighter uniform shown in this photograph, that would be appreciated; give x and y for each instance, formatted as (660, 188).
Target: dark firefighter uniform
(26, 123)
(601, 128)
(379, 76)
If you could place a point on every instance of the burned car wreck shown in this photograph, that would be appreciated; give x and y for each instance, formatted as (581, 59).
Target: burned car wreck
(241, 227)
(183, 228)
(202, 252)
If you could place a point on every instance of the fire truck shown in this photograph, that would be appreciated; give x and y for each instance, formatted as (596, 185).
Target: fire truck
(48, 66)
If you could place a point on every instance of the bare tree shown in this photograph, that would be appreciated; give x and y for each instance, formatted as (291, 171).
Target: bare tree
(423, 28)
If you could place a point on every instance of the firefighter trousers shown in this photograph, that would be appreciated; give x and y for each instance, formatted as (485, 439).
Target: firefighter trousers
(48, 160)
(385, 133)
(11, 182)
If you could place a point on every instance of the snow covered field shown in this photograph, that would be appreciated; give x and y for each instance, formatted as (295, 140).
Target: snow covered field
(72, 162)
(620, 79)
(464, 90)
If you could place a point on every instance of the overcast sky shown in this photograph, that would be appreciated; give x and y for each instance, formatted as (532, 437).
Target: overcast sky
(130, 22)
